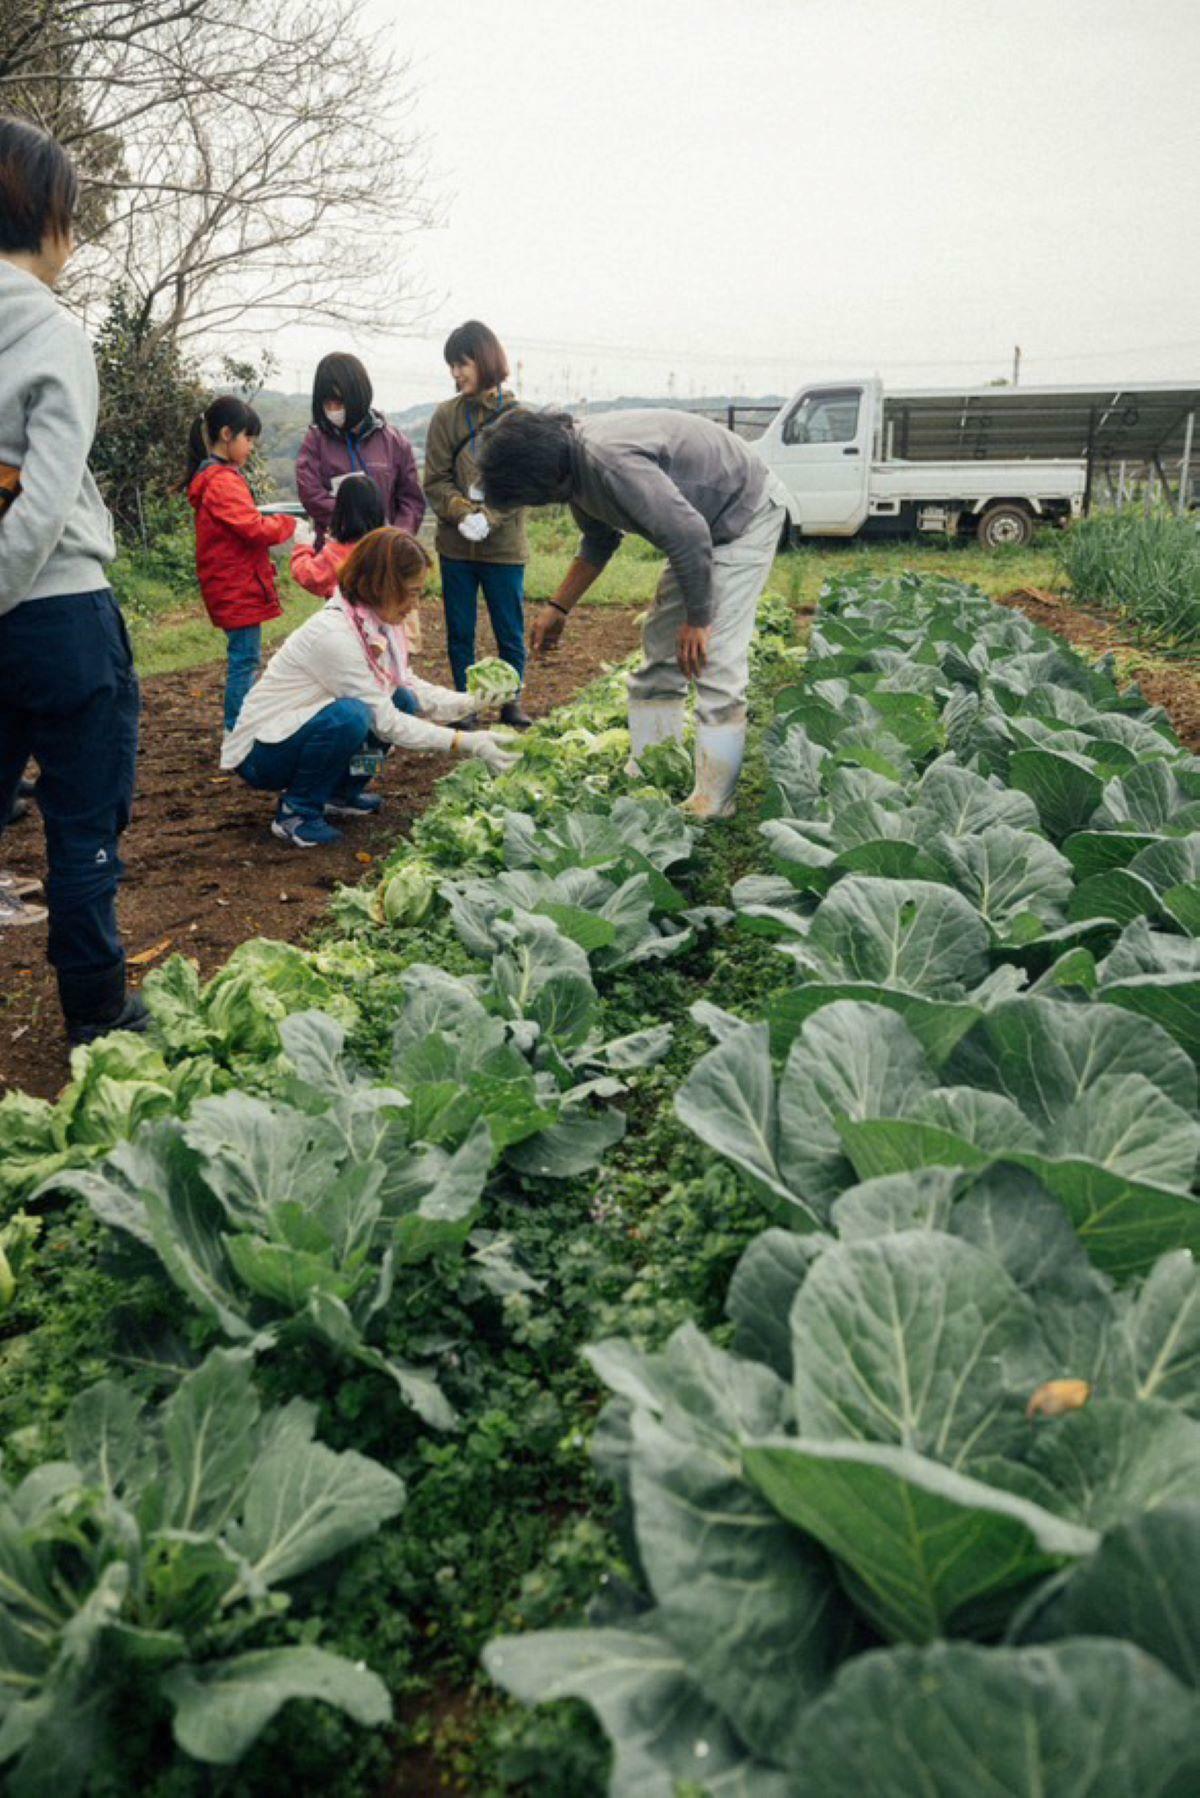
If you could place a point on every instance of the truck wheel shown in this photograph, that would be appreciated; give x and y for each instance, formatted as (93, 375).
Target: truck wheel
(1005, 527)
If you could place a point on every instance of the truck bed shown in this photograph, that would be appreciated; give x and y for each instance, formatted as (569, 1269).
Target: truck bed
(972, 481)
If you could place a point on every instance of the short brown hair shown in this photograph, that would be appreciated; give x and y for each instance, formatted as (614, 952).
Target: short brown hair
(474, 341)
(381, 565)
(39, 189)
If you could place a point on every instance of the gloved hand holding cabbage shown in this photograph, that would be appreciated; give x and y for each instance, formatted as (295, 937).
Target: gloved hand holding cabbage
(489, 750)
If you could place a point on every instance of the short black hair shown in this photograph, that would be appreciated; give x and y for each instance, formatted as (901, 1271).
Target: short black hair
(478, 343)
(39, 188)
(226, 411)
(357, 509)
(341, 376)
(525, 458)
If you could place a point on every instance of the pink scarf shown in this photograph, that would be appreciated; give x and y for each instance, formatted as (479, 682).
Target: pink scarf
(384, 645)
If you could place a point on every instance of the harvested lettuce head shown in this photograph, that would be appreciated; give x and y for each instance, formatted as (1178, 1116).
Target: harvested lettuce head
(409, 894)
(492, 681)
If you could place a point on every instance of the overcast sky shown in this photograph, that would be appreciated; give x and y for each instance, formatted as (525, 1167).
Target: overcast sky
(740, 196)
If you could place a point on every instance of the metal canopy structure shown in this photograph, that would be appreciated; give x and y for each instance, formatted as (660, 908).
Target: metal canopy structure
(1151, 423)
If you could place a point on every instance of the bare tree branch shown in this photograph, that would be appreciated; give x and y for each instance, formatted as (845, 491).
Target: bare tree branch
(239, 156)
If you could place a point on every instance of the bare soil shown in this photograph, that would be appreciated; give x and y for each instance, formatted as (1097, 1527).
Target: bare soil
(1174, 685)
(204, 872)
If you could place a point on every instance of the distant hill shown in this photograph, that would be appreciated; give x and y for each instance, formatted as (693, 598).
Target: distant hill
(286, 417)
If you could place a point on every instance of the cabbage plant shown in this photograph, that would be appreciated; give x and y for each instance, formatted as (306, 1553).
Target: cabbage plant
(139, 1568)
(868, 1541)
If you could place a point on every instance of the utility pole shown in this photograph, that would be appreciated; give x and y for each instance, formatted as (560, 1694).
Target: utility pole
(1016, 364)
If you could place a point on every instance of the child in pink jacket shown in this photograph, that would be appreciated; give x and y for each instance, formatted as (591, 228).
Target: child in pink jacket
(357, 509)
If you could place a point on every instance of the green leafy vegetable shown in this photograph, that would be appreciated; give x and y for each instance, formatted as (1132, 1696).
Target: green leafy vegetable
(138, 1565)
(492, 681)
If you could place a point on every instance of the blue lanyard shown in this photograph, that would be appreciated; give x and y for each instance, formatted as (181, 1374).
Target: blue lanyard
(471, 417)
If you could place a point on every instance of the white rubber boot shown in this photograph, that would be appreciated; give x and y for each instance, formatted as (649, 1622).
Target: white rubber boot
(720, 749)
(652, 721)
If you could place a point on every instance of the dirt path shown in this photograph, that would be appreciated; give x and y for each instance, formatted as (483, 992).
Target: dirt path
(204, 872)
(1173, 685)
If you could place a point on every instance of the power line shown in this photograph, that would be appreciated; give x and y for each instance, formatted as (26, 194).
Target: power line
(560, 346)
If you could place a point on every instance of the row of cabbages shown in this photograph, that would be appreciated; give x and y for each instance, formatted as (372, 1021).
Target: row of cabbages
(297, 1194)
(930, 1525)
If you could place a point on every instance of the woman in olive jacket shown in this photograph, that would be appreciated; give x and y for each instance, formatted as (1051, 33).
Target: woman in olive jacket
(477, 546)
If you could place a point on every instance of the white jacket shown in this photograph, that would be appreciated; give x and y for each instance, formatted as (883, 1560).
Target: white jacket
(325, 660)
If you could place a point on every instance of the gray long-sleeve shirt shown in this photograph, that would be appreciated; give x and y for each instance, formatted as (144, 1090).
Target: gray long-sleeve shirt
(682, 482)
(57, 536)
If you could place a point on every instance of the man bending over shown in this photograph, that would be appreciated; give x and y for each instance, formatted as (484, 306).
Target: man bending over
(702, 497)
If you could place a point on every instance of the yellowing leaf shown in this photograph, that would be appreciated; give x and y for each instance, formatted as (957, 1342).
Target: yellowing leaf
(1054, 1398)
(144, 955)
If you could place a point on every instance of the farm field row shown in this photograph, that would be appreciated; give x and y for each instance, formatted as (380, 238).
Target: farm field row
(923, 1522)
(892, 1286)
(392, 1177)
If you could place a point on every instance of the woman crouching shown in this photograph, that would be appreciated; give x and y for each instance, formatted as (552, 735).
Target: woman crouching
(339, 693)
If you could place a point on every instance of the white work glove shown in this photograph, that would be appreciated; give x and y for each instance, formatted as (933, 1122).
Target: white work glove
(483, 744)
(474, 527)
(305, 534)
(453, 706)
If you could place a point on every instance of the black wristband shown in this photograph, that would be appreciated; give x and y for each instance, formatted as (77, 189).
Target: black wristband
(557, 607)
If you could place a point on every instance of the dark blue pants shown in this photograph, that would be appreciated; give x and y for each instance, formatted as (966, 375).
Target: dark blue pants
(503, 586)
(241, 671)
(313, 764)
(69, 699)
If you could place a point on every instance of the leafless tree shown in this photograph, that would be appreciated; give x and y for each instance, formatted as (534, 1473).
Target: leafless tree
(245, 161)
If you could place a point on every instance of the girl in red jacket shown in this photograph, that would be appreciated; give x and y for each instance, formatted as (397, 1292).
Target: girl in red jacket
(233, 540)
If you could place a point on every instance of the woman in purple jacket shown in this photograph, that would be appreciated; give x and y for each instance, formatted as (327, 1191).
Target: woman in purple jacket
(347, 436)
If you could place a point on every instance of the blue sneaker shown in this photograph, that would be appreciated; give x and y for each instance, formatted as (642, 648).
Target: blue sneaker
(301, 832)
(353, 805)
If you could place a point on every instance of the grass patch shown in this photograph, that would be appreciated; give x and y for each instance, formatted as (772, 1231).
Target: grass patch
(801, 573)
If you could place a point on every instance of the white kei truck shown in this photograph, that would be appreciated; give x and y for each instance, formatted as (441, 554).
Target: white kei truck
(857, 460)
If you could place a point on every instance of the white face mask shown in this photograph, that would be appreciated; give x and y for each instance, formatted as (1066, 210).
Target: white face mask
(336, 416)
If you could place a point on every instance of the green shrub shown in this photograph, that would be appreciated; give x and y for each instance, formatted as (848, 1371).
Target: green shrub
(149, 395)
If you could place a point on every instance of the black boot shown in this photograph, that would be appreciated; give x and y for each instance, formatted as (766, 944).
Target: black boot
(515, 716)
(95, 1003)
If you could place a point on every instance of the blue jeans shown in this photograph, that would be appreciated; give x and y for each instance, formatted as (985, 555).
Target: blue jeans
(245, 660)
(312, 765)
(503, 586)
(69, 698)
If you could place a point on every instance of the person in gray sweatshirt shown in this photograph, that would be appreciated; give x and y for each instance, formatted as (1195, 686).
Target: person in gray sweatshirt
(68, 692)
(715, 511)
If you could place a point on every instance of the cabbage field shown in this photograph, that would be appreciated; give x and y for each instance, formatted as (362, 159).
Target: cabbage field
(740, 1279)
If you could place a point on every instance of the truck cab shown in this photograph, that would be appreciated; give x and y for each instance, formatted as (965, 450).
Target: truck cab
(821, 445)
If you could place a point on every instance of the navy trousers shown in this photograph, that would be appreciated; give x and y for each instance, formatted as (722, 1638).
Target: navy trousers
(503, 586)
(69, 698)
(313, 764)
